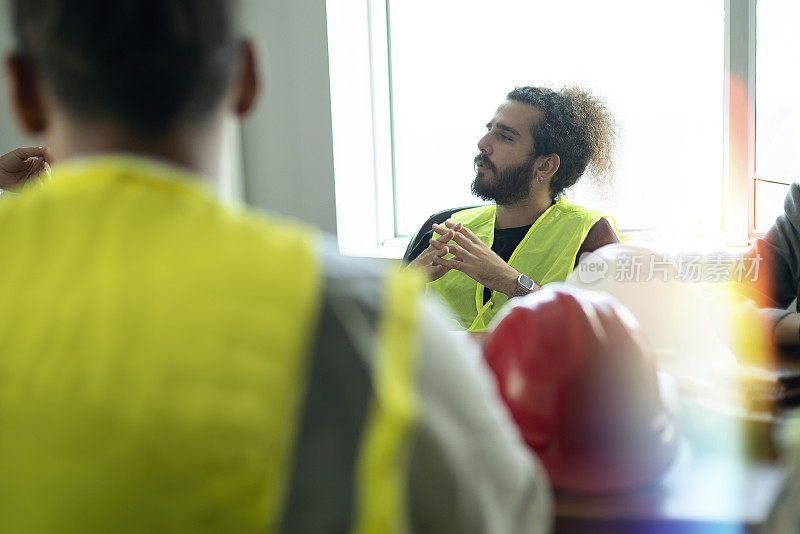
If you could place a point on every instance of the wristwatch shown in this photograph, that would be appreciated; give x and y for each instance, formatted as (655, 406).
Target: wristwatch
(524, 286)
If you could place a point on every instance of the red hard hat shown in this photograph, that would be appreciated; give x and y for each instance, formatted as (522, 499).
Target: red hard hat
(581, 384)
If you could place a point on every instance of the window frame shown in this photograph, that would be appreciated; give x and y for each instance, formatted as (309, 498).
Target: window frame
(739, 130)
(377, 180)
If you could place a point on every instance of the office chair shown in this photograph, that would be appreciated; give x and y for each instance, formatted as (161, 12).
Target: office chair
(436, 218)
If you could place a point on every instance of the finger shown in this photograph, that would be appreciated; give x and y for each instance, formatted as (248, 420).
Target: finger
(45, 173)
(450, 263)
(459, 252)
(38, 167)
(442, 231)
(27, 152)
(437, 245)
(459, 238)
(471, 235)
(425, 256)
(35, 166)
(461, 229)
(445, 236)
(453, 225)
(463, 241)
(429, 253)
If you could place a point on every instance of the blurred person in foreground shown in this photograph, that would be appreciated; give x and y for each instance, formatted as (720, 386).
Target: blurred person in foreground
(539, 143)
(168, 364)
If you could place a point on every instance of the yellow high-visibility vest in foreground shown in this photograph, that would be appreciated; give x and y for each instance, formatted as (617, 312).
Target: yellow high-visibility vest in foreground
(547, 253)
(154, 363)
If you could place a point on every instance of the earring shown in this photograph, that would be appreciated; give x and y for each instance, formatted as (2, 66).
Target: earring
(539, 178)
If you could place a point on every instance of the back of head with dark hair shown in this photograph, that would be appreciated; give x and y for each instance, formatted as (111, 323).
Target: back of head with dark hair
(577, 126)
(146, 63)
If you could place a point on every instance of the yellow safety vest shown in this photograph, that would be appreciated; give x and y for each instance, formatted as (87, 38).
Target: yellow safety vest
(547, 253)
(153, 360)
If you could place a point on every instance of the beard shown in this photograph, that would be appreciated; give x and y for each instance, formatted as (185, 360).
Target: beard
(507, 186)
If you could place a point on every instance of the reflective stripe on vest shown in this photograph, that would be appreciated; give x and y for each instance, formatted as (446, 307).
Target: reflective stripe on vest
(547, 253)
(381, 471)
(350, 460)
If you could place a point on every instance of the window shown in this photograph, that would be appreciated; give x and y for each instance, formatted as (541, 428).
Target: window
(777, 161)
(414, 82)
(453, 67)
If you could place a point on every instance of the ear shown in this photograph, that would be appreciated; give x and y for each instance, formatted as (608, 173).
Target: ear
(26, 94)
(546, 166)
(247, 84)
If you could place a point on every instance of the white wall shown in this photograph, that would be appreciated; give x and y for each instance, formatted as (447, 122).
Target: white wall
(10, 136)
(286, 146)
(287, 143)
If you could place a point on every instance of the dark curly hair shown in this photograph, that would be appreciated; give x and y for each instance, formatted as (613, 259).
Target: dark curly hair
(578, 127)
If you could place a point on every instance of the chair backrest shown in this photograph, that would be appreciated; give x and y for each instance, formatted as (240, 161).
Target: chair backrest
(436, 218)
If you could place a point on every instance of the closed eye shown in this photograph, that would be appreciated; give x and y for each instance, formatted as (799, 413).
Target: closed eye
(500, 133)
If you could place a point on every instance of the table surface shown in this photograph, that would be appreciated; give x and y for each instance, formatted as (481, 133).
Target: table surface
(727, 476)
(699, 490)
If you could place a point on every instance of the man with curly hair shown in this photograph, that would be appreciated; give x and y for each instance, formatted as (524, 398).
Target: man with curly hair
(539, 143)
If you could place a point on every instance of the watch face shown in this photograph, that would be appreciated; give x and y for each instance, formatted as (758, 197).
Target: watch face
(525, 282)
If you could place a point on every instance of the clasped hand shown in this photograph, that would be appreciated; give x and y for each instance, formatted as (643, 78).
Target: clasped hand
(471, 256)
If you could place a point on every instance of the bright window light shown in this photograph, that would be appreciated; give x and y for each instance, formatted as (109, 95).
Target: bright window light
(769, 198)
(777, 109)
(658, 65)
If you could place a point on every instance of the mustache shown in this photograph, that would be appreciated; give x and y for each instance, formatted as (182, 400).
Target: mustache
(485, 161)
